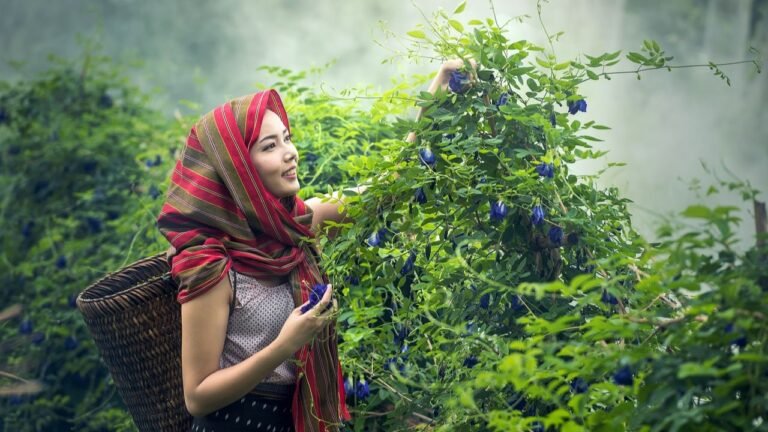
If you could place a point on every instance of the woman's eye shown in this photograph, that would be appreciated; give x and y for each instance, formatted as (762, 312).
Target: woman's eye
(289, 137)
(269, 146)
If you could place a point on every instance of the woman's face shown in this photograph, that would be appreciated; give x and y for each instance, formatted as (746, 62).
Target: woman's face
(275, 157)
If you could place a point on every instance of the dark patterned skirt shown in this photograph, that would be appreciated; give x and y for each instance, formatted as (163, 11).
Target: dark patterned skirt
(262, 411)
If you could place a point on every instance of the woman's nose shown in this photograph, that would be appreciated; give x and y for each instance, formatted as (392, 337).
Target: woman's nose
(291, 155)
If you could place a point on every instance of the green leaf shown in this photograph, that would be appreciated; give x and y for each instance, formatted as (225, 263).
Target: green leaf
(460, 8)
(698, 212)
(418, 34)
(456, 25)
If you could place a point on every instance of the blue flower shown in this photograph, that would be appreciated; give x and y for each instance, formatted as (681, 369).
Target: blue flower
(555, 235)
(578, 385)
(427, 157)
(517, 303)
(456, 81)
(553, 119)
(362, 391)
(408, 266)
(740, 341)
(517, 402)
(105, 101)
(623, 376)
(392, 362)
(72, 301)
(470, 327)
(156, 162)
(576, 106)
(375, 239)
(26, 230)
(154, 192)
(498, 211)
(470, 361)
(315, 294)
(502, 99)
(401, 333)
(15, 400)
(609, 298)
(61, 262)
(537, 215)
(89, 167)
(352, 280)
(421, 197)
(349, 386)
(37, 338)
(485, 301)
(94, 224)
(70, 343)
(546, 170)
(26, 327)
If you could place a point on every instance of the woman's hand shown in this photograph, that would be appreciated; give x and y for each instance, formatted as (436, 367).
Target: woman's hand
(442, 80)
(454, 65)
(300, 328)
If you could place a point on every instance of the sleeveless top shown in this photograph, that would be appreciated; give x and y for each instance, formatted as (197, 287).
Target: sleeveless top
(256, 317)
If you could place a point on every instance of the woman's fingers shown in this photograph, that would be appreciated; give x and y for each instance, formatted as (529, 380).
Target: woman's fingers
(319, 308)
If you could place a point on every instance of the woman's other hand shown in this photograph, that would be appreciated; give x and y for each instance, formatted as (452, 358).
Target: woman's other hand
(454, 65)
(300, 328)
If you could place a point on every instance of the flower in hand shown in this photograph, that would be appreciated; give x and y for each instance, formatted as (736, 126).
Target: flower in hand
(315, 294)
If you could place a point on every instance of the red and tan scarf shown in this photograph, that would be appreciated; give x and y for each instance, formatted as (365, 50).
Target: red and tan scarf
(218, 215)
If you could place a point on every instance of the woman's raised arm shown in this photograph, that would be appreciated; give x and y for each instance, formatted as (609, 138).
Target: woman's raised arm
(327, 207)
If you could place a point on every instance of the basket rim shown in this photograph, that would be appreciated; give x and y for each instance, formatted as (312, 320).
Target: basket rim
(81, 299)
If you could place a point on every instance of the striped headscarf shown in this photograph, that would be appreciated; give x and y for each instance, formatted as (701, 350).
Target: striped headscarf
(218, 215)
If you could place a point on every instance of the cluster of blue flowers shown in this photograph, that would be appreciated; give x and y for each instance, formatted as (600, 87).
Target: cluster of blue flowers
(361, 390)
(546, 170)
(576, 106)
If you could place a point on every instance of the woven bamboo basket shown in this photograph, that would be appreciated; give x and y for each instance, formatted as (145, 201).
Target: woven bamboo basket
(135, 320)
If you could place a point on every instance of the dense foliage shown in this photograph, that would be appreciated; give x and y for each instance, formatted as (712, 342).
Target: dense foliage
(483, 285)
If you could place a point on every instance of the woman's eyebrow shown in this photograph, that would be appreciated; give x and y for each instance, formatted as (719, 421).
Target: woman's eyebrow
(271, 136)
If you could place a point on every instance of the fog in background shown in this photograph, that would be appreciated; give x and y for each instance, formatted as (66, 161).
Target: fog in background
(662, 126)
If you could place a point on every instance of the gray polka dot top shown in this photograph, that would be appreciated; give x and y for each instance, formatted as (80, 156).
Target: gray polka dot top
(255, 321)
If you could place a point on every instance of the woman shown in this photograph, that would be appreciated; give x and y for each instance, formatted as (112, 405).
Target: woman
(242, 255)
